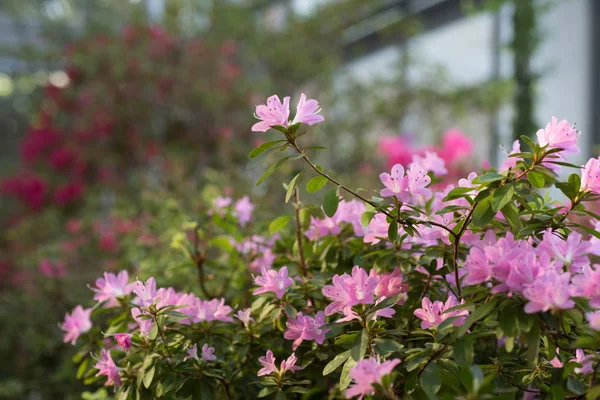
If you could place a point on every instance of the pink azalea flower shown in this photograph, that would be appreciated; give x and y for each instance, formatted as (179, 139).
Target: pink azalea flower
(123, 340)
(192, 353)
(277, 113)
(243, 210)
(395, 183)
(549, 291)
(244, 316)
(430, 162)
(106, 366)
(273, 281)
(555, 362)
(559, 135)
(146, 292)
(468, 181)
(571, 252)
(111, 287)
(418, 180)
(305, 327)
(320, 228)
(144, 323)
(390, 284)
(377, 229)
(208, 353)
(307, 111)
(594, 320)
(585, 361)
(348, 291)
(477, 266)
(588, 284)
(511, 162)
(351, 212)
(366, 373)
(433, 314)
(222, 202)
(268, 363)
(210, 310)
(590, 176)
(403, 186)
(273, 113)
(76, 323)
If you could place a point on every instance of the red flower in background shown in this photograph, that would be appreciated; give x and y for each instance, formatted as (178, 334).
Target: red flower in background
(68, 193)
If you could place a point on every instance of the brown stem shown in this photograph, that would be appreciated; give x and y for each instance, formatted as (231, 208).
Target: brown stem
(199, 258)
(162, 336)
(297, 207)
(358, 196)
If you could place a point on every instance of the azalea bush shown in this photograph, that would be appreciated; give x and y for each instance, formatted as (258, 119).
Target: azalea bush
(483, 289)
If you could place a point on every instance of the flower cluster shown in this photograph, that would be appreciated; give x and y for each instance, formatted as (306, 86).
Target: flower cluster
(348, 291)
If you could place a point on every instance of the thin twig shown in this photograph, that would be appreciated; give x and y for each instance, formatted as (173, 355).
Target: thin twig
(297, 207)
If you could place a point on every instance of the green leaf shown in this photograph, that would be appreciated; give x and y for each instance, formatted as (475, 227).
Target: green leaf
(533, 344)
(457, 192)
(271, 169)
(267, 391)
(366, 217)
(389, 302)
(360, 345)
(502, 196)
(511, 213)
(82, 368)
(536, 179)
(153, 332)
(148, 376)
(336, 362)
(478, 314)
(280, 128)
(431, 380)
(483, 212)
(387, 346)
(331, 202)
(463, 351)
(264, 147)
(345, 377)
(528, 141)
(587, 229)
(291, 187)
(280, 396)
(279, 223)
(488, 177)
(315, 184)
(393, 231)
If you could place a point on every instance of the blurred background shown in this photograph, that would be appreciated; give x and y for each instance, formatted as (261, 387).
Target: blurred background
(122, 119)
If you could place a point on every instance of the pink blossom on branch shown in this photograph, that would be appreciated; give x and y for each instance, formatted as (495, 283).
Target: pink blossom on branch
(268, 363)
(559, 135)
(275, 112)
(552, 290)
(273, 281)
(305, 327)
(76, 323)
(404, 186)
(366, 373)
(433, 314)
(590, 176)
(350, 290)
(146, 292)
(123, 340)
(106, 366)
(111, 287)
(242, 210)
